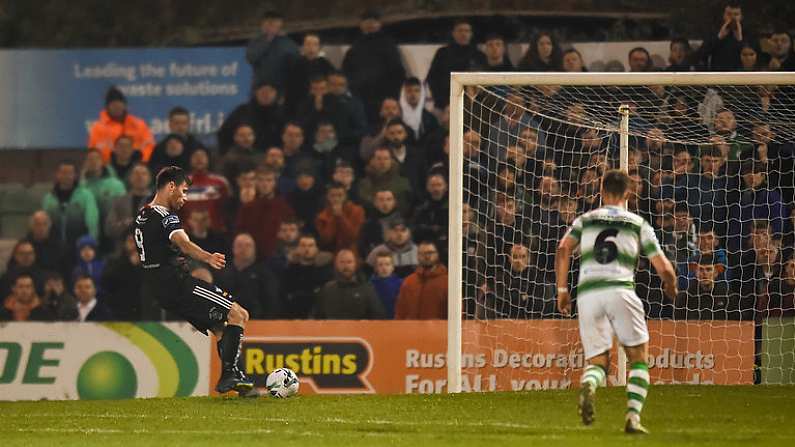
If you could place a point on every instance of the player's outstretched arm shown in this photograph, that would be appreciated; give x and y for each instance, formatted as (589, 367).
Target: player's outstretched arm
(665, 269)
(183, 242)
(562, 262)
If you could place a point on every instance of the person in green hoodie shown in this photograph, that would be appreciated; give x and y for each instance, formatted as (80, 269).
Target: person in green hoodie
(71, 207)
(383, 174)
(101, 181)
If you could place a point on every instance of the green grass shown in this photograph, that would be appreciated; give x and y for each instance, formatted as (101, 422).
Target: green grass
(676, 416)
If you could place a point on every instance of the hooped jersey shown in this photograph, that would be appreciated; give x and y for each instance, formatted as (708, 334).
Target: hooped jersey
(610, 240)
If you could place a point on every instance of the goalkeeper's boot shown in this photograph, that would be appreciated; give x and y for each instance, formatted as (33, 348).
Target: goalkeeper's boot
(633, 426)
(585, 405)
(233, 379)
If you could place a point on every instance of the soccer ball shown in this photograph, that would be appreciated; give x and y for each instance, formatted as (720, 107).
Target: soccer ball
(282, 383)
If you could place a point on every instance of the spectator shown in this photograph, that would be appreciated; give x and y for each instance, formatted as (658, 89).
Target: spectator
(308, 65)
(707, 299)
(274, 160)
(573, 62)
(262, 113)
(373, 64)
(88, 307)
(543, 54)
(398, 243)
(386, 283)
(296, 156)
(721, 51)
(57, 301)
(708, 194)
(505, 132)
(348, 296)
(202, 234)
(101, 182)
(496, 54)
(286, 243)
(725, 126)
(344, 174)
(119, 222)
(339, 223)
(24, 304)
(350, 118)
(115, 121)
(313, 107)
(639, 60)
(423, 295)
(413, 111)
(306, 273)
(179, 123)
(708, 244)
(431, 217)
(758, 201)
(262, 216)
(515, 292)
(384, 174)
(172, 151)
(246, 185)
(327, 150)
(750, 57)
(389, 111)
(50, 251)
(681, 55)
(207, 191)
(121, 283)
(460, 55)
(408, 156)
(782, 55)
(271, 54)
(88, 261)
(124, 157)
(384, 210)
(22, 262)
(251, 282)
(241, 154)
(306, 200)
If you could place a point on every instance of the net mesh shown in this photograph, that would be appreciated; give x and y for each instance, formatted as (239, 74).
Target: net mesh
(713, 174)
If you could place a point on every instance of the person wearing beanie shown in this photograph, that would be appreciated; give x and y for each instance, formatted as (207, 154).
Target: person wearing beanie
(115, 121)
(88, 262)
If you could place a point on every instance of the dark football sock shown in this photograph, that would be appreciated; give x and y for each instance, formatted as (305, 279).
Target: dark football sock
(230, 346)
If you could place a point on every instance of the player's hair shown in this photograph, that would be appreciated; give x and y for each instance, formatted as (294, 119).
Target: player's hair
(616, 183)
(171, 174)
(178, 110)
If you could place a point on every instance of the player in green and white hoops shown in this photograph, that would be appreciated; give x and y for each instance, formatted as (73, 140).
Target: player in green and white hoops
(610, 240)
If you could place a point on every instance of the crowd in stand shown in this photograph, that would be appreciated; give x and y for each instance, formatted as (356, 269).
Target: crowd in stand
(329, 191)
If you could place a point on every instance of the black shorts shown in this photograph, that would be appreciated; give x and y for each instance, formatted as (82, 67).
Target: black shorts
(200, 303)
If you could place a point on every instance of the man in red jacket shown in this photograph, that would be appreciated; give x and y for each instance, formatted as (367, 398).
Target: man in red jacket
(338, 224)
(423, 295)
(262, 216)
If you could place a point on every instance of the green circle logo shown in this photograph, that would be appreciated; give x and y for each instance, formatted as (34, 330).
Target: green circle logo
(107, 375)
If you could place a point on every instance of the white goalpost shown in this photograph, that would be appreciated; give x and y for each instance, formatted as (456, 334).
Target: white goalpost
(712, 159)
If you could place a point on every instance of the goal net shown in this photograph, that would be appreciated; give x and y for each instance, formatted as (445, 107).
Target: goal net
(711, 156)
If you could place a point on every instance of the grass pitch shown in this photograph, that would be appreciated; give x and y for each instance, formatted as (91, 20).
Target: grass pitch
(676, 416)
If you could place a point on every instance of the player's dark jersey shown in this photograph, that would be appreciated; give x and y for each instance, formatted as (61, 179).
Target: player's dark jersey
(154, 226)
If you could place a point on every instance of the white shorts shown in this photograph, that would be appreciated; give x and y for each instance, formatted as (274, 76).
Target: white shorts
(604, 312)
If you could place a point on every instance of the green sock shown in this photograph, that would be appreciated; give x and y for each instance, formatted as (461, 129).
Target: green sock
(594, 375)
(637, 387)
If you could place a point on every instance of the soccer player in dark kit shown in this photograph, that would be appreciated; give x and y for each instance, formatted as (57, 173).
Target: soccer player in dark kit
(162, 246)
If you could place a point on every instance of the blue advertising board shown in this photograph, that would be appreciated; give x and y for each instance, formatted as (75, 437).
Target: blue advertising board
(50, 98)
